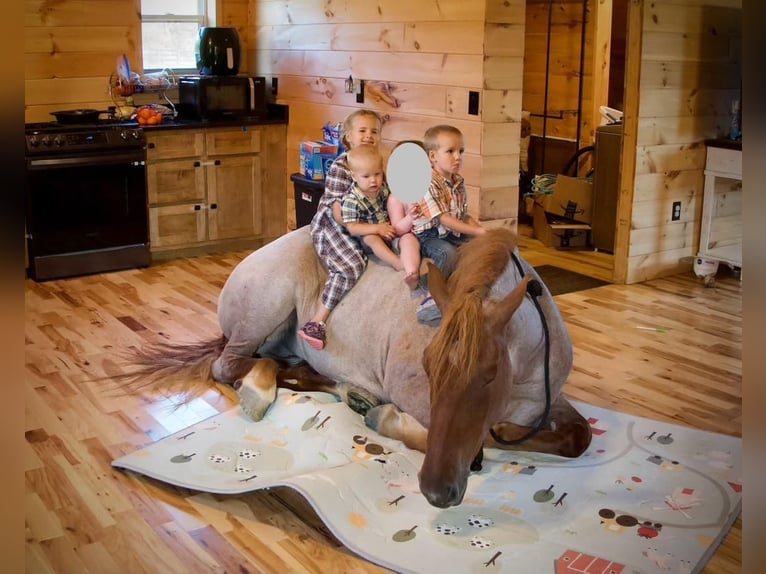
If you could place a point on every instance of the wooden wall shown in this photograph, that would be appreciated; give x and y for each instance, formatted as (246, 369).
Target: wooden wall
(689, 75)
(419, 60)
(565, 70)
(71, 49)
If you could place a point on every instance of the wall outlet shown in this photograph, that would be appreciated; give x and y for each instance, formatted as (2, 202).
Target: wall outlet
(360, 93)
(676, 215)
(473, 103)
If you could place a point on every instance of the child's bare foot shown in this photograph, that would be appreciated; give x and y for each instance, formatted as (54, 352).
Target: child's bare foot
(412, 280)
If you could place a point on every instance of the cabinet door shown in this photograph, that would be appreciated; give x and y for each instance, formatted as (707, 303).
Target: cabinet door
(175, 181)
(234, 197)
(230, 141)
(174, 144)
(177, 225)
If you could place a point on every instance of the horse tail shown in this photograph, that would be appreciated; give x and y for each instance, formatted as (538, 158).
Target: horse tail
(184, 368)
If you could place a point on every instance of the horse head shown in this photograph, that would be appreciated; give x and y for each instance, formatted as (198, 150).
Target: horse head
(469, 371)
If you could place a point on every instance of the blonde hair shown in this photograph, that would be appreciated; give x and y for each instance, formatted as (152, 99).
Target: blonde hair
(348, 123)
(430, 138)
(359, 155)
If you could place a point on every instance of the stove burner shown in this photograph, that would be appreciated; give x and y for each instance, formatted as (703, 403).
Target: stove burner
(54, 138)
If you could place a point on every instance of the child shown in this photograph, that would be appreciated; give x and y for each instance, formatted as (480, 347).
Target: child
(402, 217)
(340, 253)
(364, 208)
(444, 223)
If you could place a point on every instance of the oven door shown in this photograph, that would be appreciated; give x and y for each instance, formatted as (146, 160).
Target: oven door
(87, 213)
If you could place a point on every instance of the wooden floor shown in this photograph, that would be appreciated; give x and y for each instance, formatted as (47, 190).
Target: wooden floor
(84, 517)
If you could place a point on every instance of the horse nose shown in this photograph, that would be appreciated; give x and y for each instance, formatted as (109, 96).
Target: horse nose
(448, 496)
(236, 384)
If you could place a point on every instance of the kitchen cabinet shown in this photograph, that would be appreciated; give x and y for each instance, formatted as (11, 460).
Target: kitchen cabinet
(721, 229)
(207, 186)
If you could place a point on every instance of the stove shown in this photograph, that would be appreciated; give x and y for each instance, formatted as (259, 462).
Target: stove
(53, 138)
(86, 198)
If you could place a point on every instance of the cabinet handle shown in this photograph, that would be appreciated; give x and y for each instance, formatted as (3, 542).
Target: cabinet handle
(213, 206)
(151, 145)
(217, 162)
(196, 164)
(197, 207)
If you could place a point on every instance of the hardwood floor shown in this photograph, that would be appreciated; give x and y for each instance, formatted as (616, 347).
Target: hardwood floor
(82, 516)
(596, 264)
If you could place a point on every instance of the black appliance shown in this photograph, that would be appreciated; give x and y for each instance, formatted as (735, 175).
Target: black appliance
(218, 51)
(217, 97)
(86, 198)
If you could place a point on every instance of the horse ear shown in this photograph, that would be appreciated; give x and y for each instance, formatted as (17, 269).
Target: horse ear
(437, 285)
(501, 312)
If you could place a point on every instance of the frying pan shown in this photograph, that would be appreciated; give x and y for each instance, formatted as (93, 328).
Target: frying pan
(78, 116)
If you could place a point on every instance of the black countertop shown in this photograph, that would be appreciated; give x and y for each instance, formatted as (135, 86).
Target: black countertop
(275, 114)
(725, 143)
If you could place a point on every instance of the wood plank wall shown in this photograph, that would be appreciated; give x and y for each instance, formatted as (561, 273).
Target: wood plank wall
(71, 49)
(419, 60)
(564, 69)
(690, 73)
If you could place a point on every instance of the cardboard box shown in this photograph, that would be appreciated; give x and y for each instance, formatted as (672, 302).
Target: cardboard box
(572, 198)
(562, 219)
(316, 158)
(557, 231)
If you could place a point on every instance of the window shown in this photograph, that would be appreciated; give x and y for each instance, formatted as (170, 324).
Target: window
(169, 29)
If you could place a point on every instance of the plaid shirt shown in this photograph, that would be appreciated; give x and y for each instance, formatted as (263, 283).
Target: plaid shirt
(357, 208)
(443, 196)
(340, 253)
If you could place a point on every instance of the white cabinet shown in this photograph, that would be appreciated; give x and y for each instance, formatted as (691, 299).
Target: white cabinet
(721, 229)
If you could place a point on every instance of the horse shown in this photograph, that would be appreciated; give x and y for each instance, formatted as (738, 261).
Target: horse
(489, 374)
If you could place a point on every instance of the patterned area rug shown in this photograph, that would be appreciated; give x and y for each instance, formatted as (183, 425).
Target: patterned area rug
(646, 496)
(560, 281)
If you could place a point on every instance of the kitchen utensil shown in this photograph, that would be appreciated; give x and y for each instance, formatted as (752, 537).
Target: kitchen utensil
(78, 116)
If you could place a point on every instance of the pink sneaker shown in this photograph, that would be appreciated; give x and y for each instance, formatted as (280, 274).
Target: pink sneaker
(314, 334)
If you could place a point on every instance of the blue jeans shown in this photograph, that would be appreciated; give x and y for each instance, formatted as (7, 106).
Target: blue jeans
(442, 250)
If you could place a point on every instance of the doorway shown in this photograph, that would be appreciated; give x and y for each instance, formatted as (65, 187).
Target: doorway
(565, 41)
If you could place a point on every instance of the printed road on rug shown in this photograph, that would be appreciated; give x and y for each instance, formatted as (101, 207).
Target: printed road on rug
(645, 497)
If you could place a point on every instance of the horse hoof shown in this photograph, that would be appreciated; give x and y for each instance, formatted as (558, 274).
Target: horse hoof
(361, 402)
(253, 404)
(357, 398)
(376, 415)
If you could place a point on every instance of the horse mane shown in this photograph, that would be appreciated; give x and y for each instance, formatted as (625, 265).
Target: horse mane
(454, 350)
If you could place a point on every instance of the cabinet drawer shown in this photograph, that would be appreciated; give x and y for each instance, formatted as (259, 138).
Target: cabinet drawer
(233, 141)
(177, 225)
(724, 161)
(175, 181)
(175, 144)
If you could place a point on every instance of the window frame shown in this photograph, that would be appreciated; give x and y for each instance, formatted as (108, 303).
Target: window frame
(206, 16)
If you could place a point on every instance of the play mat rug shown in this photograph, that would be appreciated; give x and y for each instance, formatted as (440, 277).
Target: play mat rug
(645, 497)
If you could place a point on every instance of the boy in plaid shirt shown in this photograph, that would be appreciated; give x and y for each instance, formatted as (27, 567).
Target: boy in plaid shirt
(444, 222)
(364, 210)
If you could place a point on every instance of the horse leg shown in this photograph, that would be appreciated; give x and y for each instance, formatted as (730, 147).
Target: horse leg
(302, 378)
(257, 388)
(391, 422)
(566, 433)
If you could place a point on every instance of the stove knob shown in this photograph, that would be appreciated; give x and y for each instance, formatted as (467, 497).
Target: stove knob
(136, 134)
(123, 134)
(33, 141)
(46, 141)
(58, 141)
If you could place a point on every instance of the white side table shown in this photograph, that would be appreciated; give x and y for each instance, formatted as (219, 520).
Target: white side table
(721, 230)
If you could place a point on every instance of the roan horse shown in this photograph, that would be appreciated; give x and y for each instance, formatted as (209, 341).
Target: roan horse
(479, 379)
